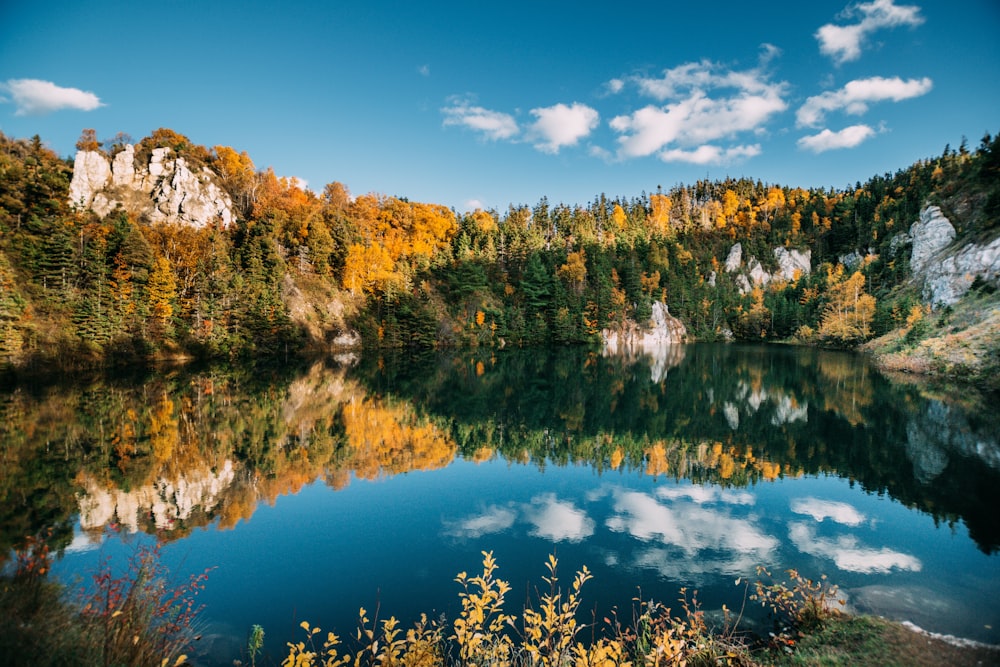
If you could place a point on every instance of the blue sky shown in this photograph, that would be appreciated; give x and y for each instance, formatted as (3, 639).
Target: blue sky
(488, 104)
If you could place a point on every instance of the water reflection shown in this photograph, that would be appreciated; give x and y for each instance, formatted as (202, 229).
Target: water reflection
(847, 554)
(688, 538)
(186, 450)
(692, 466)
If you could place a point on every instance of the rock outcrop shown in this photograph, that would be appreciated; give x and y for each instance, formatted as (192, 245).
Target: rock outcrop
(791, 263)
(944, 271)
(662, 330)
(165, 189)
(656, 342)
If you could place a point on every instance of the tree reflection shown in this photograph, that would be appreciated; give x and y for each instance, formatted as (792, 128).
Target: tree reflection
(180, 450)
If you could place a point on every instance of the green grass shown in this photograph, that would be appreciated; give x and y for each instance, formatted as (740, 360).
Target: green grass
(875, 642)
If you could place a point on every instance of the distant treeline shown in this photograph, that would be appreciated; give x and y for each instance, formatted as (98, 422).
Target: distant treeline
(298, 268)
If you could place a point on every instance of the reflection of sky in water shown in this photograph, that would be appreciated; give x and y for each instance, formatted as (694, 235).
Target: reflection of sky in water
(557, 520)
(847, 554)
(320, 554)
(827, 509)
(687, 526)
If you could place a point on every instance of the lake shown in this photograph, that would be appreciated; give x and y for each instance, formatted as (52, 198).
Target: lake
(312, 491)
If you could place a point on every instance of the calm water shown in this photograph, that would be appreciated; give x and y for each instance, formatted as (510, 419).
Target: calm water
(316, 491)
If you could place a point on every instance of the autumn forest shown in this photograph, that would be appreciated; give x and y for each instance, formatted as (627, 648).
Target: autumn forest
(299, 268)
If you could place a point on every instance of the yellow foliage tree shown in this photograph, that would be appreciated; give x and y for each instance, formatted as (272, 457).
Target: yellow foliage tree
(574, 271)
(848, 315)
(485, 223)
(162, 289)
(659, 220)
(369, 267)
(618, 217)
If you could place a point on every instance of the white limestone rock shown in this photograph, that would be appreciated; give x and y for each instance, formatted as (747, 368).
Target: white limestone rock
(656, 340)
(946, 275)
(758, 276)
(792, 262)
(931, 234)
(123, 167)
(851, 260)
(164, 190)
(735, 258)
(91, 173)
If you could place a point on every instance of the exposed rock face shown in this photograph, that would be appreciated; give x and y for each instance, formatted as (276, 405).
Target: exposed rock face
(164, 190)
(735, 258)
(662, 330)
(930, 235)
(947, 274)
(91, 173)
(789, 262)
(792, 261)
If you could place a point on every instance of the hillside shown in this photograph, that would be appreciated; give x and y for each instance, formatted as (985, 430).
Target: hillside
(129, 272)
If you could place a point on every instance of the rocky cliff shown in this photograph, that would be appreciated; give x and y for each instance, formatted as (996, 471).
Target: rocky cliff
(946, 270)
(162, 189)
(654, 338)
(790, 264)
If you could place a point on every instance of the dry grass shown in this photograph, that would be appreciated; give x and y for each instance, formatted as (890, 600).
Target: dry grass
(960, 343)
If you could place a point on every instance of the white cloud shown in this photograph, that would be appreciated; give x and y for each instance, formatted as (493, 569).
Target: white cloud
(709, 154)
(843, 43)
(558, 520)
(704, 494)
(856, 95)
(828, 140)
(494, 520)
(847, 555)
(562, 125)
(474, 205)
(424, 70)
(828, 509)
(704, 102)
(692, 570)
(34, 97)
(602, 153)
(688, 527)
(494, 125)
(697, 493)
(614, 86)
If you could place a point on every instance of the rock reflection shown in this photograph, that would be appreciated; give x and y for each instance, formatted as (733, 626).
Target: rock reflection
(183, 450)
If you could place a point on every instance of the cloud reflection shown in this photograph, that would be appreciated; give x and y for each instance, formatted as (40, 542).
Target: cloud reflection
(549, 517)
(495, 519)
(702, 495)
(558, 520)
(709, 540)
(847, 555)
(828, 509)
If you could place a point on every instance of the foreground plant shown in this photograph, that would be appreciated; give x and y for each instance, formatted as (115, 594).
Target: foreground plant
(799, 606)
(138, 617)
(484, 635)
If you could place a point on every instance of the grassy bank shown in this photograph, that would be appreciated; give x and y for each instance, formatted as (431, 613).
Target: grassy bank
(808, 629)
(137, 618)
(960, 342)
